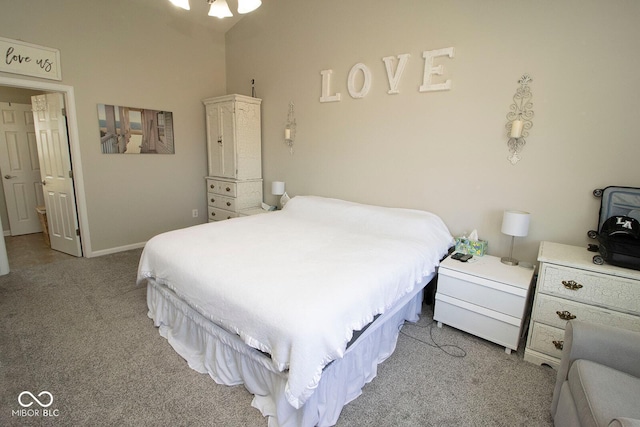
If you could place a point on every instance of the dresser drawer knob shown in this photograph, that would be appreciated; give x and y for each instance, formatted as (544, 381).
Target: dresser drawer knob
(212, 186)
(571, 285)
(213, 214)
(565, 315)
(213, 200)
(558, 344)
(228, 189)
(228, 203)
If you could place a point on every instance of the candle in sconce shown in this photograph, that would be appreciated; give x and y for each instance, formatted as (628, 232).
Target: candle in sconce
(287, 133)
(516, 128)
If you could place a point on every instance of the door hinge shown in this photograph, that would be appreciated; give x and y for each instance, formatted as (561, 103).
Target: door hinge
(78, 232)
(71, 174)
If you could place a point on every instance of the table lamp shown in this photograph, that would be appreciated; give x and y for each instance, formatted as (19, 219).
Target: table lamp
(277, 189)
(514, 224)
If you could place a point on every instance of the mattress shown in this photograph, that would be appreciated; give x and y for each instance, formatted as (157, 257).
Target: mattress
(296, 283)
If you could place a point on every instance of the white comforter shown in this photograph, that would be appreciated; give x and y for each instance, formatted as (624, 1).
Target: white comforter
(296, 283)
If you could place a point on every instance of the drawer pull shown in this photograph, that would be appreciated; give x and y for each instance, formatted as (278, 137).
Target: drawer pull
(228, 203)
(571, 285)
(213, 214)
(558, 344)
(213, 200)
(212, 186)
(565, 315)
(228, 189)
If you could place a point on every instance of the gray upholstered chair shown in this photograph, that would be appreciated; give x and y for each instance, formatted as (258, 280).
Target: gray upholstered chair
(598, 381)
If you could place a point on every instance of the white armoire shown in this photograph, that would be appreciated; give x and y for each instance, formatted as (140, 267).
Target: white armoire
(234, 150)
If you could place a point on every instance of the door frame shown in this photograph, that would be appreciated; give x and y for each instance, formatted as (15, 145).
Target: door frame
(74, 149)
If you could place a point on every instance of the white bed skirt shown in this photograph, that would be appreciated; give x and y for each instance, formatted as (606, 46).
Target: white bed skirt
(210, 349)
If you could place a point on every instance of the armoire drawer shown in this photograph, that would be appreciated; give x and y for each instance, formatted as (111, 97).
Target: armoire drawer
(222, 202)
(221, 187)
(589, 287)
(216, 214)
(556, 312)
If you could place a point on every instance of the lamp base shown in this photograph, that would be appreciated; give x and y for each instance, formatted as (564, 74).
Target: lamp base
(509, 261)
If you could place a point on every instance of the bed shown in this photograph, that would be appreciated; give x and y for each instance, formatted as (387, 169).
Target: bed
(299, 305)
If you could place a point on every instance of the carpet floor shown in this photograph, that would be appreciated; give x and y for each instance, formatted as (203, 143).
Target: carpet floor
(78, 329)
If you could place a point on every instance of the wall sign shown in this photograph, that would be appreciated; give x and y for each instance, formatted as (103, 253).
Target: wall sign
(29, 59)
(393, 76)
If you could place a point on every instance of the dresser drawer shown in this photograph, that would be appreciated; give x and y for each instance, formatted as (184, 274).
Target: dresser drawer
(216, 214)
(221, 202)
(591, 288)
(221, 187)
(482, 292)
(546, 339)
(556, 312)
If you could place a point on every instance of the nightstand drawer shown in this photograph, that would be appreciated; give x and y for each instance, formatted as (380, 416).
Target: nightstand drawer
(482, 292)
(216, 214)
(479, 321)
(591, 288)
(556, 312)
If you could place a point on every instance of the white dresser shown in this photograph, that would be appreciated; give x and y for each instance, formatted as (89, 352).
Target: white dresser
(571, 286)
(485, 298)
(234, 154)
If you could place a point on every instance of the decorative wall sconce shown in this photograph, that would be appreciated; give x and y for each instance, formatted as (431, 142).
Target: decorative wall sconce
(290, 129)
(519, 119)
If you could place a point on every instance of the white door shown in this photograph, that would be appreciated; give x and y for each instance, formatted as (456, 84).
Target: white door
(55, 172)
(20, 168)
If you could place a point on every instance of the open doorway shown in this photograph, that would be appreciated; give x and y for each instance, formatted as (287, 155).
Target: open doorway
(23, 90)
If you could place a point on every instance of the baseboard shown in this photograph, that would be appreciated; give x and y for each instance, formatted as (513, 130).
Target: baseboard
(115, 250)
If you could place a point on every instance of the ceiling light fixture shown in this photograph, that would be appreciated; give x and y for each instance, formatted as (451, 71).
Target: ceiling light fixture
(220, 8)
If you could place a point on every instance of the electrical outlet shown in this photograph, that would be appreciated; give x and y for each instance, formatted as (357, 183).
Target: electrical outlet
(194, 213)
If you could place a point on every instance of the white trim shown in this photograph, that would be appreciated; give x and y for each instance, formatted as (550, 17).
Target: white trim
(118, 249)
(74, 145)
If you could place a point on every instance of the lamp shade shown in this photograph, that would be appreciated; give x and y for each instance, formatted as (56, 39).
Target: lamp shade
(277, 188)
(181, 3)
(220, 9)
(246, 6)
(515, 223)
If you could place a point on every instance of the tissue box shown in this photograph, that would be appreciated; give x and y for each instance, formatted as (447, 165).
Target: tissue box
(473, 247)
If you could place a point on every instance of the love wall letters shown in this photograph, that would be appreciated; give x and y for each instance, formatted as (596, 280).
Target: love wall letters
(393, 76)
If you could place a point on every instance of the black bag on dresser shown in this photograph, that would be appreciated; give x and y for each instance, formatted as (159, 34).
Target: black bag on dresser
(618, 231)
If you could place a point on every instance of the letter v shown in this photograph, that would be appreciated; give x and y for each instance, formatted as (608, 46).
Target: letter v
(394, 78)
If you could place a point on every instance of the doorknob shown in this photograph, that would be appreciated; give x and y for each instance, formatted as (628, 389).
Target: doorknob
(9, 176)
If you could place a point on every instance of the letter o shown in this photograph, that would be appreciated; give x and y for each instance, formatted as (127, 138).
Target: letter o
(366, 85)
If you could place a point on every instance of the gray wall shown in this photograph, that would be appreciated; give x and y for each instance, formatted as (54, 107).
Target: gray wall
(446, 151)
(143, 53)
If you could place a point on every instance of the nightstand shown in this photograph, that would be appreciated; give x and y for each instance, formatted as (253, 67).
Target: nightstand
(485, 298)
